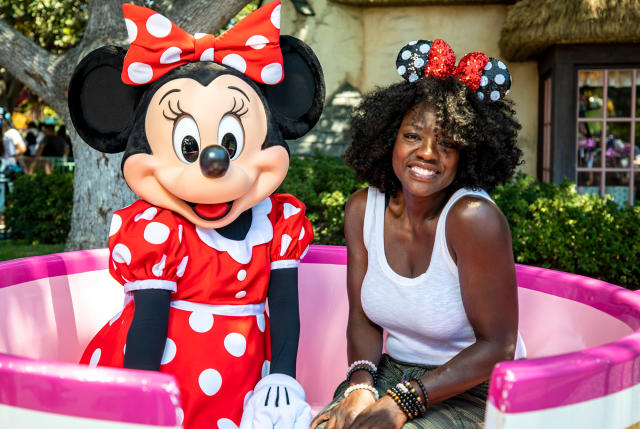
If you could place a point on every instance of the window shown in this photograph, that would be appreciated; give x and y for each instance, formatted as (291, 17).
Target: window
(608, 127)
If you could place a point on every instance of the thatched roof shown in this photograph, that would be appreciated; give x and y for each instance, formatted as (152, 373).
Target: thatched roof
(396, 3)
(532, 26)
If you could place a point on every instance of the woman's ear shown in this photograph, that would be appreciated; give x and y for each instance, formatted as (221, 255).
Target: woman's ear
(297, 102)
(101, 106)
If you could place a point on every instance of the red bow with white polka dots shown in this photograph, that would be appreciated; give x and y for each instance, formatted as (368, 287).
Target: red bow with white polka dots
(486, 76)
(252, 46)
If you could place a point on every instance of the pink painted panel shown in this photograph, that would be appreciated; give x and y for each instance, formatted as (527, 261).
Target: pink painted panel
(143, 397)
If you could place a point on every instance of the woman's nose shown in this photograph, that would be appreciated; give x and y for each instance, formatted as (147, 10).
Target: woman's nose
(214, 161)
(428, 149)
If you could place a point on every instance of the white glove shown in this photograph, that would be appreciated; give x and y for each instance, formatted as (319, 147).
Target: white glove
(277, 402)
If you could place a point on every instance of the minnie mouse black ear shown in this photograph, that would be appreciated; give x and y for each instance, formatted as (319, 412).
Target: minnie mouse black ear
(495, 81)
(100, 105)
(412, 59)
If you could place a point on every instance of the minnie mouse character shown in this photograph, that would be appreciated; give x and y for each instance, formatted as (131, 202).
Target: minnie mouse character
(202, 123)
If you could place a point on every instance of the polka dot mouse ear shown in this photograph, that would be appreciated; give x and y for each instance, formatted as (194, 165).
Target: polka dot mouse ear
(425, 58)
(487, 76)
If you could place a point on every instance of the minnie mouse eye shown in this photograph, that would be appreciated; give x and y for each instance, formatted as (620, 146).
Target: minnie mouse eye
(231, 136)
(186, 140)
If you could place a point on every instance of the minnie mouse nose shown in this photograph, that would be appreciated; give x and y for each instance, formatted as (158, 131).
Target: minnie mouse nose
(214, 161)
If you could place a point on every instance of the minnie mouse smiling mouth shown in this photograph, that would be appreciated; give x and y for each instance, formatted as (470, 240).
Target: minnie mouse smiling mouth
(211, 212)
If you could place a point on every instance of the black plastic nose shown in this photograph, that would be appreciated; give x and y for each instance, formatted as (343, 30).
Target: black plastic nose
(214, 161)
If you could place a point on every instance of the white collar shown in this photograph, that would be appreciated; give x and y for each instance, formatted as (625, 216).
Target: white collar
(260, 232)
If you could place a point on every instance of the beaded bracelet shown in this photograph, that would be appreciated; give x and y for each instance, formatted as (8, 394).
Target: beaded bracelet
(368, 387)
(424, 392)
(363, 366)
(414, 401)
(421, 405)
(364, 362)
(406, 403)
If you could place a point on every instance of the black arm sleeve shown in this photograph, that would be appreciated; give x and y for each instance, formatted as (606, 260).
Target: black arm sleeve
(284, 315)
(148, 331)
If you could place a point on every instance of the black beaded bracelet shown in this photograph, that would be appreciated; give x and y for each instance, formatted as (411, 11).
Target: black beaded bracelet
(373, 373)
(424, 392)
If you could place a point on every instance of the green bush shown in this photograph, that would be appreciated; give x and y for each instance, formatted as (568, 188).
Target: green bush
(323, 183)
(555, 227)
(38, 207)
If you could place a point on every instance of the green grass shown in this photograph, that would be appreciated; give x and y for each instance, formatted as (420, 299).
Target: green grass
(13, 249)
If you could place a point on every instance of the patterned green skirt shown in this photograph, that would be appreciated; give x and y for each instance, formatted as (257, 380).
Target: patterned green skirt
(465, 411)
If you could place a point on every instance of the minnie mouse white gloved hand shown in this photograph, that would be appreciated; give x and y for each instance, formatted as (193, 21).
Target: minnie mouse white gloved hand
(277, 402)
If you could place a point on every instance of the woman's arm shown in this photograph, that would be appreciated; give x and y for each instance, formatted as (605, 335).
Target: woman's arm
(479, 239)
(364, 338)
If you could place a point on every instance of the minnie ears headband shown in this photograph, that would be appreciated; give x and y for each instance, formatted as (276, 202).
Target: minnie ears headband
(488, 77)
(252, 46)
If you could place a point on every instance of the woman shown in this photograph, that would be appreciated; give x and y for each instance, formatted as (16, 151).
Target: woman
(429, 254)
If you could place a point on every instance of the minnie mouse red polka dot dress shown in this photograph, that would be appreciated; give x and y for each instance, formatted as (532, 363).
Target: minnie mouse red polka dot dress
(217, 344)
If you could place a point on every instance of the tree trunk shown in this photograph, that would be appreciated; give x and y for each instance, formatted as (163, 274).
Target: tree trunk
(99, 188)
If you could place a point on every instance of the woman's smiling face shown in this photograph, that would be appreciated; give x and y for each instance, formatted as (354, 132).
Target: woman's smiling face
(422, 160)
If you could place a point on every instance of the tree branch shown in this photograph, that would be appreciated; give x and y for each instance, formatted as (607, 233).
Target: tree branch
(25, 60)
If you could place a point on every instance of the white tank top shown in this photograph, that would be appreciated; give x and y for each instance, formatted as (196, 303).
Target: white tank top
(423, 317)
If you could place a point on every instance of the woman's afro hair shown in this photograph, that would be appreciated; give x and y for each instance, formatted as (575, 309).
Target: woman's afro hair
(485, 133)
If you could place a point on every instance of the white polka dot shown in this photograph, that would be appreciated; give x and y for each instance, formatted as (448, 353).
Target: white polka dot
(246, 398)
(484, 81)
(301, 234)
(180, 233)
(158, 268)
(499, 79)
(284, 243)
(495, 95)
(265, 368)
(257, 41)
(158, 26)
(226, 424)
(418, 62)
(179, 416)
(413, 77)
(156, 233)
(413, 42)
(424, 48)
(171, 55)
(242, 274)
(271, 73)
(121, 254)
(95, 358)
(210, 381)
(501, 65)
(169, 352)
(132, 29)
(261, 322)
(182, 266)
(488, 66)
(402, 70)
(200, 321)
(304, 253)
(116, 317)
(405, 55)
(480, 96)
(275, 17)
(199, 35)
(148, 214)
(116, 223)
(235, 344)
(235, 61)
(139, 73)
(241, 294)
(207, 55)
(289, 210)
(508, 91)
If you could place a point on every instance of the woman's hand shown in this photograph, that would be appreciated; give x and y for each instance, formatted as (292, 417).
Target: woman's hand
(342, 415)
(383, 414)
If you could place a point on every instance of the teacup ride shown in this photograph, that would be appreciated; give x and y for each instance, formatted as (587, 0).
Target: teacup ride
(582, 338)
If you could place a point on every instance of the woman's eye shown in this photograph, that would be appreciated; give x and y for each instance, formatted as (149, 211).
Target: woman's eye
(186, 140)
(231, 135)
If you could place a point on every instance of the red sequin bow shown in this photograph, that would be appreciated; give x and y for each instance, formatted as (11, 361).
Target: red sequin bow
(488, 77)
(252, 46)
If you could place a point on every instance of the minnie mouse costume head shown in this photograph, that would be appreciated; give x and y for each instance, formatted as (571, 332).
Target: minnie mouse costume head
(202, 122)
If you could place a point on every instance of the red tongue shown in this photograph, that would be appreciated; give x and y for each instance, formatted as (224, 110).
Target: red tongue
(211, 211)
